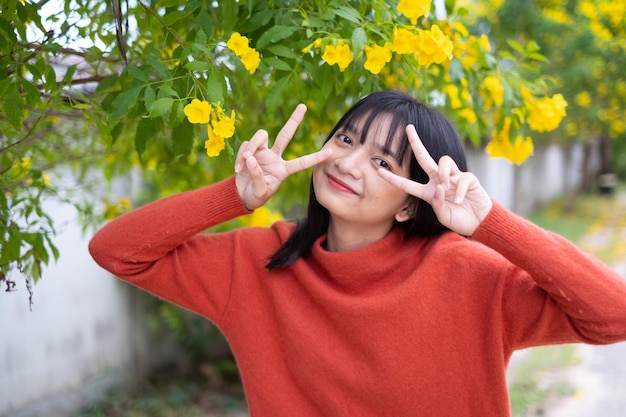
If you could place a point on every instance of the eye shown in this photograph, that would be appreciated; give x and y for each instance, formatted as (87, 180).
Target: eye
(344, 139)
(382, 163)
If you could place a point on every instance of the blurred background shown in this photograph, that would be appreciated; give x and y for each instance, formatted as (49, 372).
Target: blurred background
(95, 104)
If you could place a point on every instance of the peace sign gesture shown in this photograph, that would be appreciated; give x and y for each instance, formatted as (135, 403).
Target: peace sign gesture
(457, 198)
(260, 169)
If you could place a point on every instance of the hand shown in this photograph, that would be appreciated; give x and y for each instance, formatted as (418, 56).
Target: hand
(260, 170)
(457, 198)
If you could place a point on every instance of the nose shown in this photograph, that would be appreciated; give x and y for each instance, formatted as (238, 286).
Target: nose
(350, 164)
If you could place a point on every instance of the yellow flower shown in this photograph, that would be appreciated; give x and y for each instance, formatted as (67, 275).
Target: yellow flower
(45, 178)
(501, 146)
(315, 44)
(223, 125)
(414, 9)
(339, 54)
(377, 57)
(452, 91)
(433, 47)
(198, 111)
(468, 114)
(25, 162)
(404, 41)
(495, 90)
(214, 144)
(545, 114)
(583, 99)
(483, 41)
(238, 44)
(251, 60)
(262, 217)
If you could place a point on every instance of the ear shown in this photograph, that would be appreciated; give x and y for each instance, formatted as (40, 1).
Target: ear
(407, 212)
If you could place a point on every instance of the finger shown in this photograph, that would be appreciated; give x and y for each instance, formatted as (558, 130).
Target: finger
(410, 187)
(239, 161)
(422, 156)
(289, 129)
(259, 186)
(446, 168)
(258, 141)
(307, 161)
(463, 184)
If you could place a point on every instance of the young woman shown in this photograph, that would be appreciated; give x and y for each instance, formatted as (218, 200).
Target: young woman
(405, 290)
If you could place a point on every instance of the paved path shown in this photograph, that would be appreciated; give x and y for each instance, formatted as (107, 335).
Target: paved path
(599, 381)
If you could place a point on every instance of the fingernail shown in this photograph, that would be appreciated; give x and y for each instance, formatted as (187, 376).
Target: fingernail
(237, 167)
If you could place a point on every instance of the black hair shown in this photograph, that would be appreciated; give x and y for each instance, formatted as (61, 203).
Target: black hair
(438, 135)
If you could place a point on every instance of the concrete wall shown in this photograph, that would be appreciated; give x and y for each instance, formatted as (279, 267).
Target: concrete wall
(85, 333)
(86, 330)
(551, 172)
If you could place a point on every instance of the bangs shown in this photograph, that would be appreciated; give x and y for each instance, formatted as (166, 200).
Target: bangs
(367, 115)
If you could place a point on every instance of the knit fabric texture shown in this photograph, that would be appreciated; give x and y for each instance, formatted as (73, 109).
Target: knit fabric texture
(417, 327)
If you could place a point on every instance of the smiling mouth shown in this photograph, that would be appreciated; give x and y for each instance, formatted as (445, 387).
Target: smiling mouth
(339, 185)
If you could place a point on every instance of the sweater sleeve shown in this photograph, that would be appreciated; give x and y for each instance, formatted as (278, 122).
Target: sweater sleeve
(158, 247)
(568, 295)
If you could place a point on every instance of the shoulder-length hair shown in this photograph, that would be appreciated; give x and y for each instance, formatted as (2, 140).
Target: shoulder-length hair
(436, 132)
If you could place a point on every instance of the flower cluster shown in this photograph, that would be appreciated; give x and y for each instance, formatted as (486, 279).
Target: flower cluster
(377, 57)
(427, 46)
(492, 92)
(339, 54)
(544, 114)
(501, 146)
(219, 125)
(414, 9)
(240, 46)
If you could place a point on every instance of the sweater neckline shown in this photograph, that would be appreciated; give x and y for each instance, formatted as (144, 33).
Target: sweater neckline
(379, 264)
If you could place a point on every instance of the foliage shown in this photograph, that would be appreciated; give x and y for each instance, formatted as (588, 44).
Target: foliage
(540, 377)
(584, 42)
(104, 87)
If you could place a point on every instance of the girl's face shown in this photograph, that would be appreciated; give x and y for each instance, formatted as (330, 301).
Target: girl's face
(348, 185)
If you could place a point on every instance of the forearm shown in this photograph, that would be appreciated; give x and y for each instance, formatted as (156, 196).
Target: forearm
(590, 293)
(135, 240)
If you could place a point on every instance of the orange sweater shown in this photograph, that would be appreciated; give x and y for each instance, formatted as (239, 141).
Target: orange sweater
(423, 327)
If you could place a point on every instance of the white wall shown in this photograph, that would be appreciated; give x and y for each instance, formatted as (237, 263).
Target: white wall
(551, 172)
(85, 332)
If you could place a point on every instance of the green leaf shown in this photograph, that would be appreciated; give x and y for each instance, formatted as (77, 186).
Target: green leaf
(146, 128)
(148, 97)
(159, 67)
(137, 73)
(359, 40)
(122, 104)
(215, 87)
(275, 34)
(14, 106)
(278, 64)
(166, 90)
(205, 22)
(182, 138)
(282, 50)
(276, 96)
(516, 46)
(160, 107)
(198, 66)
(348, 13)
